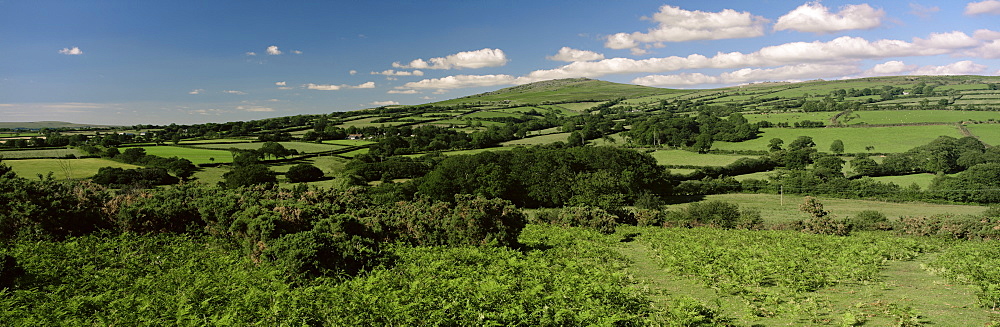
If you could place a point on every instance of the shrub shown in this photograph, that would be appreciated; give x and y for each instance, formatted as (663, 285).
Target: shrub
(869, 220)
(304, 173)
(335, 246)
(253, 174)
(592, 217)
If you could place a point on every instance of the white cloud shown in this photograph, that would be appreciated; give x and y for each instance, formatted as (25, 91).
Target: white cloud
(282, 83)
(983, 7)
(816, 18)
(391, 72)
(254, 108)
(196, 91)
(352, 72)
(841, 50)
(679, 25)
(273, 50)
(964, 67)
(986, 35)
(402, 92)
(426, 97)
(572, 55)
(234, 92)
(460, 81)
(990, 50)
(746, 75)
(251, 53)
(467, 59)
(384, 103)
(74, 51)
(894, 67)
(296, 52)
(331, 87)
(921, 11)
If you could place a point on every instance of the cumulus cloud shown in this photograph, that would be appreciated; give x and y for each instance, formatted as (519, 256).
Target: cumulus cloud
(837, 51)
(573, 55)
(746, 75)
(273, 50)
(983, 7)
(352, 72)
(894, 67)
(234, 92)
(678, 25)
(460, 81)
(964, 67)
(74, 51)
(331, 87)
(282, 83)
(391, 72)
(467, 59)
(815, 18)
(296, 52)
(986, 35)
(990, 50)
(402, 92)
(251, 53)
(196, 91)
(384, 103)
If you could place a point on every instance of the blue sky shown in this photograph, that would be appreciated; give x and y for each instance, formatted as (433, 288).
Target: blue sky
(131, 62)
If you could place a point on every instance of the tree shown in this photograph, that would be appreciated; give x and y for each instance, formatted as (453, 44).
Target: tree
(253, 174)
(801, 142)
(576, 139)
(304, 173)
(274, 149)
(837, 146)
(775, 144)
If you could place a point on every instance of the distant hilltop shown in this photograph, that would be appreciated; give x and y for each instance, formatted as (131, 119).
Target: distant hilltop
(36, 125)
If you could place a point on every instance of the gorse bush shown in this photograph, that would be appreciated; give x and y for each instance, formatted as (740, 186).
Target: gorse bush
(715, 213)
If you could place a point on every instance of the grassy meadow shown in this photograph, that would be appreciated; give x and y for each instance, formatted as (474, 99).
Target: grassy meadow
(885, 139)
(688, 158)
(988, 133)
(195, 155)
(46, 153)
(302, 147)
(63, 168)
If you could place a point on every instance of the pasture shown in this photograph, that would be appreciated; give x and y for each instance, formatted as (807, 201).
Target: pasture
(349, 142)
(301, 147)
(688, 158)
(46, 153)
(775, 208)
(789, 117)
(922, 180)
(892, 139)
(988, 133)
(195, 155)
(63, 168)
(537, 140)
(919, 116)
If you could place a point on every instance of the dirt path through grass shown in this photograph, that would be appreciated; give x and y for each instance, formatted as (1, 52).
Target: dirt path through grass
(940, 301)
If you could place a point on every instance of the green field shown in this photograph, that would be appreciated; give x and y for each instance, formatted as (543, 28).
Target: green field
(47, 153)
(536, 140)
(63, 168)
(988, 133)
(354, 153)
(366, 122)
(920, 116)
(195, 155)
(302, 147)
(688, 158)
(781, 209)
(884, 139)
(349, 142)
(922, 180)
(789, 117)
(218, 141)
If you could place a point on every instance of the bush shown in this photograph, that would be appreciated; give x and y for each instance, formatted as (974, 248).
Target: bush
(335, 246)
(253, 174)
(304, 173)
(869, 220)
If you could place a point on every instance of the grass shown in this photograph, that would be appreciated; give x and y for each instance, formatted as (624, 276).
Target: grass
(189, 142)
(537, 140)
(988, 133)
(354, 153)
(884, 139)
(923, 180)
(782, 209)
(302, 147)
(46, 153)
(491, 114)
(789, 117)
(197, 156)
(349, 142)
(330, 166)
(919, 116)
(365, 122)
(562, 91)
(464, 152)
(688, 158)
(60, 168)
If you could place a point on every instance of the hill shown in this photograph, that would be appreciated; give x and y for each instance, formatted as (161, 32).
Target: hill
(561, 91)
(47, 124)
